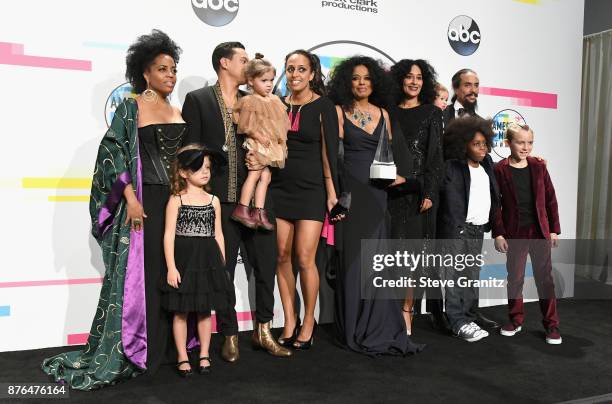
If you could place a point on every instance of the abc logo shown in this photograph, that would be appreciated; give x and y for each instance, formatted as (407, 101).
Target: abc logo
(215, 12)
(464, 35)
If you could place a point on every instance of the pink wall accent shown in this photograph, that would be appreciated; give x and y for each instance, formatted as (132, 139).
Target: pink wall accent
(80, 339)
(240, 315)
(524, 98)
(51, 282)
(13, 54)
(77, 339)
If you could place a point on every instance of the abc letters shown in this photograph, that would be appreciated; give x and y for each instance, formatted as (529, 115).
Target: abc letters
(229, 5)
(463, 35)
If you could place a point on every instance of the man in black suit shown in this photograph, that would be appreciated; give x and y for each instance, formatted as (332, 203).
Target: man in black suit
(208, 111)
(466, 86)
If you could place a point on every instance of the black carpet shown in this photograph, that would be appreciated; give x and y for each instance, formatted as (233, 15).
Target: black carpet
(518, 369)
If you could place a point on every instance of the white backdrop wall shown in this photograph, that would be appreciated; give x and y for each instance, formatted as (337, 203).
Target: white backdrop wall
(61, 61)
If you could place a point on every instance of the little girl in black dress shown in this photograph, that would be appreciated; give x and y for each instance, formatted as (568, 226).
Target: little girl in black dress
(193, 245)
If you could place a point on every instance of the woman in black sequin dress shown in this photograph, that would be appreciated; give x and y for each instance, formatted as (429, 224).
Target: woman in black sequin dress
(412, 205)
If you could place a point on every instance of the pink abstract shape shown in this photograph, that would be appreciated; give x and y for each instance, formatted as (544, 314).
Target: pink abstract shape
(80, 339)
(244, 315)
(240, 316)
(13, 54)
(77, 339)
(524, 98)
(51, 282)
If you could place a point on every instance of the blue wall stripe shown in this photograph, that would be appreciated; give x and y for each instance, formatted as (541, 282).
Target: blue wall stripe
(498, 271)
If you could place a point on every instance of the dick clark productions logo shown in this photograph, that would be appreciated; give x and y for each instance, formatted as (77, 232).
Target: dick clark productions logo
(464, 35)
(215, 12)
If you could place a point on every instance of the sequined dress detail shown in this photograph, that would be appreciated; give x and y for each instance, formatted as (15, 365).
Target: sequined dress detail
(205, 285)
(196, 221)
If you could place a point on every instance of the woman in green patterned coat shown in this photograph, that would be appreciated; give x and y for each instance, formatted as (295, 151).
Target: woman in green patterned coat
(130, 332)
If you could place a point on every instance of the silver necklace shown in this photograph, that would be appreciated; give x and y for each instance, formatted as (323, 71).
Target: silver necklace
(362, 118)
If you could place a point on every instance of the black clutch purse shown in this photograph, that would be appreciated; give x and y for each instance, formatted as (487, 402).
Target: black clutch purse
(342, 207)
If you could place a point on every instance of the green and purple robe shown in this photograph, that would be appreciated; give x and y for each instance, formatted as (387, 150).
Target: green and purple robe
(117, 345)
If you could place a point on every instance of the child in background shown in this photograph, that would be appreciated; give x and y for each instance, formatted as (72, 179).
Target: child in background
(263, 118)
(441, 100)
(527, 223)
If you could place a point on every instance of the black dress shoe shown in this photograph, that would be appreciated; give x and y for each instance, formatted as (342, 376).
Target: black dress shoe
(204, 369)
(484, 322)
(183, 372)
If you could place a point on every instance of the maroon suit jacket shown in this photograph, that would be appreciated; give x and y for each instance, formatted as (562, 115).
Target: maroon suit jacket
(506, 221)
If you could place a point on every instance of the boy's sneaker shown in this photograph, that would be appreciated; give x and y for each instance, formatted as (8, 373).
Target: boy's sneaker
(479, 328)
(553, 336)
(510, 330)
(482, 330)
(471, 332)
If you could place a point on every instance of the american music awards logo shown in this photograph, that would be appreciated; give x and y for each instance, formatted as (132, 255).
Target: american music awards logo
(501, 120)
(341, 50)
(115, 98)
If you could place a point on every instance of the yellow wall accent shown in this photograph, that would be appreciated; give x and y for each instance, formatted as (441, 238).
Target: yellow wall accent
(69, 198)
(56, 183)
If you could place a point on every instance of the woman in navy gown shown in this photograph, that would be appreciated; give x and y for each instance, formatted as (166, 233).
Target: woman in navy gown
(373, 326)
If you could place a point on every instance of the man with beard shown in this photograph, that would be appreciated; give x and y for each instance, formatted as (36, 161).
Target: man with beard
(466, 86)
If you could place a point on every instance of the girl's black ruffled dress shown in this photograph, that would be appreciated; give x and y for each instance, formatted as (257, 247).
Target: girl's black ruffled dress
(205, 285)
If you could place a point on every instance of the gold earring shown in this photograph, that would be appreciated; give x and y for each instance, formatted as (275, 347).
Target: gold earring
(149, 95)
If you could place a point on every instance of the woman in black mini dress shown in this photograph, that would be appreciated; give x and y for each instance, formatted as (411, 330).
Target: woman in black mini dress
(304, 190)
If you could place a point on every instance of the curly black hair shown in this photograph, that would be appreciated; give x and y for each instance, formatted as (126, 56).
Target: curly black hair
(317, 84)
(339, 86)
(141, 54)
(461, 131)
(400, 70)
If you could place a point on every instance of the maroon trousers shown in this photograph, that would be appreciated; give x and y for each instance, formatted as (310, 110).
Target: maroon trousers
(529, 240)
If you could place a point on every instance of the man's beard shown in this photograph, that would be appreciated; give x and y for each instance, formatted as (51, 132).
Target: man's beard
(469, 106)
